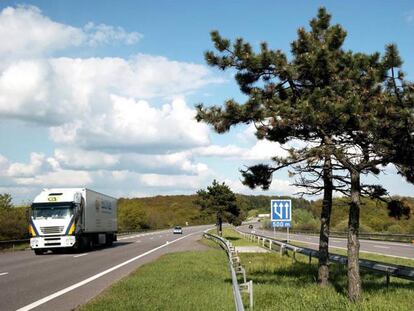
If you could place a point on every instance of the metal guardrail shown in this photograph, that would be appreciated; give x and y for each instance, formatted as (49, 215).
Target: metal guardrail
(6, 243)
(12, 243)
(234, 263)
(392, 237)
(388, 270)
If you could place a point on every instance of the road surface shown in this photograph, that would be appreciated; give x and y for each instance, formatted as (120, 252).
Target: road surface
(393, 249)
(65, 281)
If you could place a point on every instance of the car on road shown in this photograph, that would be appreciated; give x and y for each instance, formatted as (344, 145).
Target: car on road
(178, 230)
(250, 226)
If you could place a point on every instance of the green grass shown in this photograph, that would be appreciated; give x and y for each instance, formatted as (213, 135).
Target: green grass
(235, 238)
(16, 247)
(281, 283)
(180, 281)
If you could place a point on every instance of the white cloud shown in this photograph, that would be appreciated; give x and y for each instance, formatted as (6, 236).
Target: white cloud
(87, 160)
(60, 178)
(23, 170)
(105, 34)
(262, 150)
(172, 164)
(130, 125)
(26, 32)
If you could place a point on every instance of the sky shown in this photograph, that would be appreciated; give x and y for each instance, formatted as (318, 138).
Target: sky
(101, 94)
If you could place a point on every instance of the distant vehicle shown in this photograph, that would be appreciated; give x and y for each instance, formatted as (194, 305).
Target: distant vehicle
(72, 218)
(178, 230)
(250, 226)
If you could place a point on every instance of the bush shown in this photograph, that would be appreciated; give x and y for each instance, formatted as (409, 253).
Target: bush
(395, 228)
(304, 220)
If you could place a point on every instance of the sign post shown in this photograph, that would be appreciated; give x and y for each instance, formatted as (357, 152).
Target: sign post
(281, 215)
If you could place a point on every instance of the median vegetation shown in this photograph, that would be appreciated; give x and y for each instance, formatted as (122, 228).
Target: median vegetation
(180, 281)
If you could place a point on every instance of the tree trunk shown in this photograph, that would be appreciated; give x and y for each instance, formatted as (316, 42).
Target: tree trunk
(323, 270)
(220, 225)
(354, 279)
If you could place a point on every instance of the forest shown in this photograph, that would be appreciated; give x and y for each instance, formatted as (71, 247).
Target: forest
(149, 213)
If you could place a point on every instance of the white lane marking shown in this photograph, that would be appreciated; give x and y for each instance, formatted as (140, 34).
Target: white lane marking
(96, 276)
(138, 241)
(80, 255)
(151, 238)
(380, 246)
(4, 273)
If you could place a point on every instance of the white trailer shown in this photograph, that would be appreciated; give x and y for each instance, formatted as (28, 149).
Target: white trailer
(72, 218)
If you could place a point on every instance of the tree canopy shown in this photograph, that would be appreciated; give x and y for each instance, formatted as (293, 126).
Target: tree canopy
(353, 108)
(218, 199)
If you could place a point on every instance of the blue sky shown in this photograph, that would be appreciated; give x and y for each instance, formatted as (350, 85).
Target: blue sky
(101, 93)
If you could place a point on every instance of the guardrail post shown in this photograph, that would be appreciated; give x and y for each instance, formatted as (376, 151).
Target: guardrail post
(270, 244)
(251, 294)
(310, 258)
(388, 279)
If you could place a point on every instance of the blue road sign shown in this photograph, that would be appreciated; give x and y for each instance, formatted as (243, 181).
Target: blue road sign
(281, 224)
(281, 210)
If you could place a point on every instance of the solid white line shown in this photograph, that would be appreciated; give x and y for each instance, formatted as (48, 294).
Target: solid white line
(96, 276)
(80, 255)
(380, 246)
(4, 273)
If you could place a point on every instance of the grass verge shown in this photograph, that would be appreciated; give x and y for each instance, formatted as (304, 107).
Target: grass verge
(235, 238)
(294, 283)
(179, 281)
(15, 247)
(281, 283)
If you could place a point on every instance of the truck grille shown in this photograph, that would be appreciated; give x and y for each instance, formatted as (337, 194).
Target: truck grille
(52, 230)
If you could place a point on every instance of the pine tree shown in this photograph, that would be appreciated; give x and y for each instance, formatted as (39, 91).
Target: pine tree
(218, 199)
(334, 100)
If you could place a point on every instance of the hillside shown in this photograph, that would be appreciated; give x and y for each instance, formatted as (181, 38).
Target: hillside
(167, 211)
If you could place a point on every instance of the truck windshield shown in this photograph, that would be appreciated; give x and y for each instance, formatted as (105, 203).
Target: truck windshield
(52, 210)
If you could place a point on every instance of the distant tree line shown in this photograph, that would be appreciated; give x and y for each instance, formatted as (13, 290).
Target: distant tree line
(168, 211)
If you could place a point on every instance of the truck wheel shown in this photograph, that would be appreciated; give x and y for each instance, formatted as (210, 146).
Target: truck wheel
(109, 239)
(39, 251)
(85, 244)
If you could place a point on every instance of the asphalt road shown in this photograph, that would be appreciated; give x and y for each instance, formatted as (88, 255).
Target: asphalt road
(65, 281)
(394, 249)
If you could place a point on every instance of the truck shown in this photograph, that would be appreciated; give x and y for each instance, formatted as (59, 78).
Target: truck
(72, 218)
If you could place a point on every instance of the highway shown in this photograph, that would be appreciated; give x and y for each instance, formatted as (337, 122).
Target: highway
(393, 249)
(65, 281)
